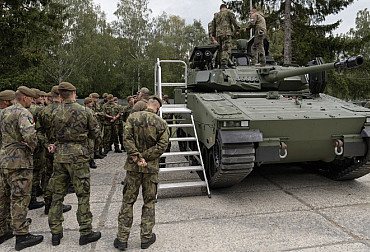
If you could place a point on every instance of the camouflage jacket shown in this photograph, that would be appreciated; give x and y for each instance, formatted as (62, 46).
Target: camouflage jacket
(126, 112)
(111, 109)
(224, 24)
(73, 124)
(19, 140)
(44, 124)
(146, 135)
(257, 22)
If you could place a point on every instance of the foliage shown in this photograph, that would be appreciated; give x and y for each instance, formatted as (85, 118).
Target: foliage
(27, 29)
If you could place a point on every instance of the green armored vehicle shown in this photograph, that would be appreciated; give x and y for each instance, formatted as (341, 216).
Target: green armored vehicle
(247, 116)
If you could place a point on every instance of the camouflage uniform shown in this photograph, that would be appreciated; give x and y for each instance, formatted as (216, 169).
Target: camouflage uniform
(224, 25)
(17, 127)
(46, 136)
(73, 124)
(98, 141)
(110, 135)
(258, 23)
(146, 135)
(139, 106)
(38, 155)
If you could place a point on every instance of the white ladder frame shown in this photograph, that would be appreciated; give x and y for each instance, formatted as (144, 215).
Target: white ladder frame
(180, 109)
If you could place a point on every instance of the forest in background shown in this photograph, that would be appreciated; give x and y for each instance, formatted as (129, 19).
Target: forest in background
(48, 41)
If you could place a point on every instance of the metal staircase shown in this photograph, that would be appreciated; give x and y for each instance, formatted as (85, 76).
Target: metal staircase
(189, 154)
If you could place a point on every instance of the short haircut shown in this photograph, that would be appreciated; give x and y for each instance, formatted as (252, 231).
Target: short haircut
(65, 94)
(18, 95)
(154, 102)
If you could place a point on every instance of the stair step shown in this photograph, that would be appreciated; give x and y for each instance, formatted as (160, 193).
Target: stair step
(180, 153)
(182, 139)
(180, 125)
(169, 84)
(182, 184)
(175, 110)
(178, 169)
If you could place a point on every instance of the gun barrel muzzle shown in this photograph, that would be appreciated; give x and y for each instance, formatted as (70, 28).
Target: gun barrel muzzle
(352, 62)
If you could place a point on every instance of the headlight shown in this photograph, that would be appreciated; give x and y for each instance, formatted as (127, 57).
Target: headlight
(231, 124)
(245, 123)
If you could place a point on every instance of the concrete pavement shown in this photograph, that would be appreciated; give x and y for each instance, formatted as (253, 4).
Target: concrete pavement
(276, 208)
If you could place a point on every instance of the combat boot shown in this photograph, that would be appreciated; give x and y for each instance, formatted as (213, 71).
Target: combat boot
(92, 164)
(120, 245)
(145, 245)
(92, 237)
(117, 150)
(66, 208)
(102, 154)
(98, 156)
(55, 239)
(28, 240)
(6, 236)
(224, 67)
(34, 204)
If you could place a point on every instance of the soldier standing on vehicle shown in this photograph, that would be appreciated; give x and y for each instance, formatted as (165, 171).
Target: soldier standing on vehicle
(224, 25)
(19, 140)
(146, 138)
(73, 125)
(258, 24)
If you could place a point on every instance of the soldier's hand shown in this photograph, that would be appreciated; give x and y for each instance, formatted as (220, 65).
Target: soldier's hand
(134, 158)
(215, 42)
(142, 162)
(51, 148)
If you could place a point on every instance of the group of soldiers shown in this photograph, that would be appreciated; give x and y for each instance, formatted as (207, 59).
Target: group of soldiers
(48, 144)
(224, 26)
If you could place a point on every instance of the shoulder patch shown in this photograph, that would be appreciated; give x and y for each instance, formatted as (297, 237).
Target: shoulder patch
(30, 119)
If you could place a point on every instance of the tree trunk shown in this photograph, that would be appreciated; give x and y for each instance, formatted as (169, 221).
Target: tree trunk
(287, 34)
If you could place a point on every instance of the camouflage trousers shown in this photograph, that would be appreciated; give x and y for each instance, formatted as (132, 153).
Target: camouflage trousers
(132, 183)
(110, 137)
(38, 168)
(97, 145)
(47, 187)
(257, 50)
(15, 196)
(225, 46)
(79, 173)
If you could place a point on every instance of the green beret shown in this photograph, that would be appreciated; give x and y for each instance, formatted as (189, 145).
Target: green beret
(54, 90)
(94, 95)
(66, 86)
(105, 95)
(37, 92)
(43, 93)
(88, 100)
(48, 94)
(27, 92)
(156, 97)
(7, 95)
(110, 96)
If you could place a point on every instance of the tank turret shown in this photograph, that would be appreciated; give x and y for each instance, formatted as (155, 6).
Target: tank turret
(242, 76)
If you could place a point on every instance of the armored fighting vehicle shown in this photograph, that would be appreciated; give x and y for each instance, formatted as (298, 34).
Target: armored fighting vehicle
(247, 116)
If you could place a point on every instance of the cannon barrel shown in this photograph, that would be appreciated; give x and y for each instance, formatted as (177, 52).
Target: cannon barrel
(275, 75)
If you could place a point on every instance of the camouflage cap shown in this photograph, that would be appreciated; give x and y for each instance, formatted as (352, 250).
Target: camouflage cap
(144, 90)
(115, 98)
(66, 86)
(27, 92)
(7, 95)
(88, 100)
(55, 90)
(110, 96)
(105, 95)
(94, 95)
(48, 94)
(37, 92)
(156, 97)
(129, 97)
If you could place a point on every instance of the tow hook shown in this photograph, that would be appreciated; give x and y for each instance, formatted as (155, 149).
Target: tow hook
(338, 147)
(283, 147)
